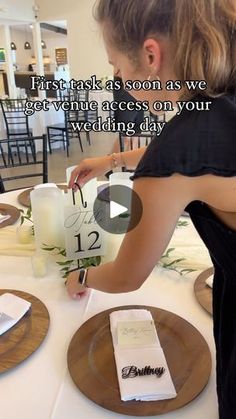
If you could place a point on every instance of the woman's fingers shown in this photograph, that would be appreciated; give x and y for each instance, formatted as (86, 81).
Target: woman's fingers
(77, 175)
(82, 179)
(88, 169)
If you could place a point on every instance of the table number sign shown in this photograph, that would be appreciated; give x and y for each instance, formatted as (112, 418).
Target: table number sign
(84, 238)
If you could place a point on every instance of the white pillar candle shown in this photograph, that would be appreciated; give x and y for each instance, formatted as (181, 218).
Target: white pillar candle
(24, 234)
(48, 214)
(121, 178)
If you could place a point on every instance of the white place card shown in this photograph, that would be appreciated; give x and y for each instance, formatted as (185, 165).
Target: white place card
(136, 333)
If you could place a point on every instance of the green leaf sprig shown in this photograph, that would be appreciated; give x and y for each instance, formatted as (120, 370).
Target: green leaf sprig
(67, 266)
(182, 224)
(166, 263)
(27, 216)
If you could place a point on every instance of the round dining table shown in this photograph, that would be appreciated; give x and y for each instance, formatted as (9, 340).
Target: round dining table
(41, 386)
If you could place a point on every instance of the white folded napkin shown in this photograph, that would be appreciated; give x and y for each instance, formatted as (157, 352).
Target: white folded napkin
(142, 370)
(209, 281)
(12, 309)
(150, 387)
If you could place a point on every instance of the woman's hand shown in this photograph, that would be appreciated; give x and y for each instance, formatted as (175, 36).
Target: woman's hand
(89, 169)
(74, 289)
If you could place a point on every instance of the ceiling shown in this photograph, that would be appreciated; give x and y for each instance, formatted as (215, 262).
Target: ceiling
(25, 25)
(10, 22)
(60, 23)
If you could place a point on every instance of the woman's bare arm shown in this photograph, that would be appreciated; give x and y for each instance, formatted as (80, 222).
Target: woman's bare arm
(98, 166)
(163, 201)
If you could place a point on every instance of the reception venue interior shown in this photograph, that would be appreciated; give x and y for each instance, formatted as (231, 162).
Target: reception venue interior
(61, 357)
(37, 39)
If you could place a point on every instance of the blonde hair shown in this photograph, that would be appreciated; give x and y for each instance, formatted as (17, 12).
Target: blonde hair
(202, 35)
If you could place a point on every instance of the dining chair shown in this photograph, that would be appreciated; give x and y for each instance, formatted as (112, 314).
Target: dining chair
(2, 189)
(135, 141)
(156, 118)
(18, 163)
(16, 122)
(86, 116)
(63, 131)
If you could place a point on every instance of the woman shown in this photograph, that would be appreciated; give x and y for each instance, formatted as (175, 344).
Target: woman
(193, 163)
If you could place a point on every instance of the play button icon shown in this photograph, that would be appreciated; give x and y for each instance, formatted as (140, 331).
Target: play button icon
(117, 209)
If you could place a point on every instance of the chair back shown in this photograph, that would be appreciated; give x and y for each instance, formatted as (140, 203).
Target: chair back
(135, 141)
(17, 123)
(90, 115)
(67, 93)
(23, 163)
(76, 114)
(156, 118)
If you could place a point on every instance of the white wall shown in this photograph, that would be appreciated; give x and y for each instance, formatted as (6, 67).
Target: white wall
(17, 10)
(53, 40)
(23, 56)
(86, 52)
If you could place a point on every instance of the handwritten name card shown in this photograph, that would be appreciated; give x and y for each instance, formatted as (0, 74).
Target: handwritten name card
(136, 333)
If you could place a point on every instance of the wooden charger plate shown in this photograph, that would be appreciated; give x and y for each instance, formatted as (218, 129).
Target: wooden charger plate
(14, 212)
(24, 197)
(202, 291)
(19, 342)
(92, 366)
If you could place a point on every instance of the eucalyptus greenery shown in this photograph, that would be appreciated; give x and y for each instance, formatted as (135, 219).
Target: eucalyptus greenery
(26, 216)
(166, 260)
(67, 266)
(167, 263)
(182, 224)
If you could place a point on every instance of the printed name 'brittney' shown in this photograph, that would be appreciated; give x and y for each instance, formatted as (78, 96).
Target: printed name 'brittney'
(132, 371)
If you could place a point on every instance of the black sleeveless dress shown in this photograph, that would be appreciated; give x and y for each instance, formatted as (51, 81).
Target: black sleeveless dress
(193, 144)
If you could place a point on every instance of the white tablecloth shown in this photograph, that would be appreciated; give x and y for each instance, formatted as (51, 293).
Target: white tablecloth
(40, 387)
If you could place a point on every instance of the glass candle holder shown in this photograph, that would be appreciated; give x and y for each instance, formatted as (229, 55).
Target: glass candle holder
(121, 178)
